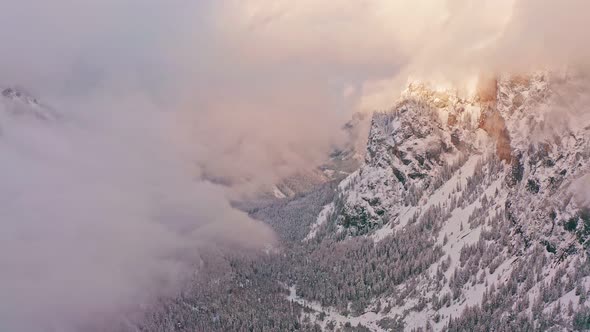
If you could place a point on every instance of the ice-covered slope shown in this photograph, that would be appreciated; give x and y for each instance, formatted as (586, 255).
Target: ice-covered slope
(479, 205)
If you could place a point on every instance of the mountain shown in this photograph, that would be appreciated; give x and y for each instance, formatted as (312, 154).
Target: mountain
(466, 212)
(469, 213)
(18, 102)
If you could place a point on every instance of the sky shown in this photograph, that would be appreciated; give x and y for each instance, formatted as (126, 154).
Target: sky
(108, 202)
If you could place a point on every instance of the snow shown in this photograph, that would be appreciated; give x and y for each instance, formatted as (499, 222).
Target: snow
(278, 193)
(382, 233)
(392, 150)
(368, 319)
(347, 182)
(329, 173)
(457, 239)
(567, 297)
(321, 219)
(440, 196)
(459, 178)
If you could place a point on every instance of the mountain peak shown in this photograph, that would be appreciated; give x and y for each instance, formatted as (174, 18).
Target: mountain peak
(18, 101)
(15, 93)
(435, 95)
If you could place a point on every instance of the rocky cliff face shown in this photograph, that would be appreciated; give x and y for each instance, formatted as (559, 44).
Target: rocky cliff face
(412, 150)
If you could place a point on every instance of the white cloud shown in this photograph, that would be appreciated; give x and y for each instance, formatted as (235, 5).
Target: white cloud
(453, 40)
(103, 211)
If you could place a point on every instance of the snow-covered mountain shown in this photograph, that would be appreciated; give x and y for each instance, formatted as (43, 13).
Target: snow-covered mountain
(18, 102)
(470, 214)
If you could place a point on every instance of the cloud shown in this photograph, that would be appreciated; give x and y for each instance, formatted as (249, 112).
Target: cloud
(451, 41)
(490, 37)
(102, 212)
(105, 208)
(381, 39)
(256, 140)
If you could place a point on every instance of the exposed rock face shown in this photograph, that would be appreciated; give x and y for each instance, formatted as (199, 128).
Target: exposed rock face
(494, 124)
(487, 90)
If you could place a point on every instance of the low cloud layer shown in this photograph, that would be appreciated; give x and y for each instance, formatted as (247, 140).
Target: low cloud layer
(451, 42)
(101, 212)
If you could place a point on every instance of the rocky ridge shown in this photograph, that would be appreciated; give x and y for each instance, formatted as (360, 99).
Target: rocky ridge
(498, 182)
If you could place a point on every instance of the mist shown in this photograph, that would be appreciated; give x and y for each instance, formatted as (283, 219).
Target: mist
(104, 209)
(102, 212)
(388, 43)
(106, 204)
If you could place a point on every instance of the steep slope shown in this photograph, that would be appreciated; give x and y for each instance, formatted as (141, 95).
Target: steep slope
(411, 152)
(469, 213)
